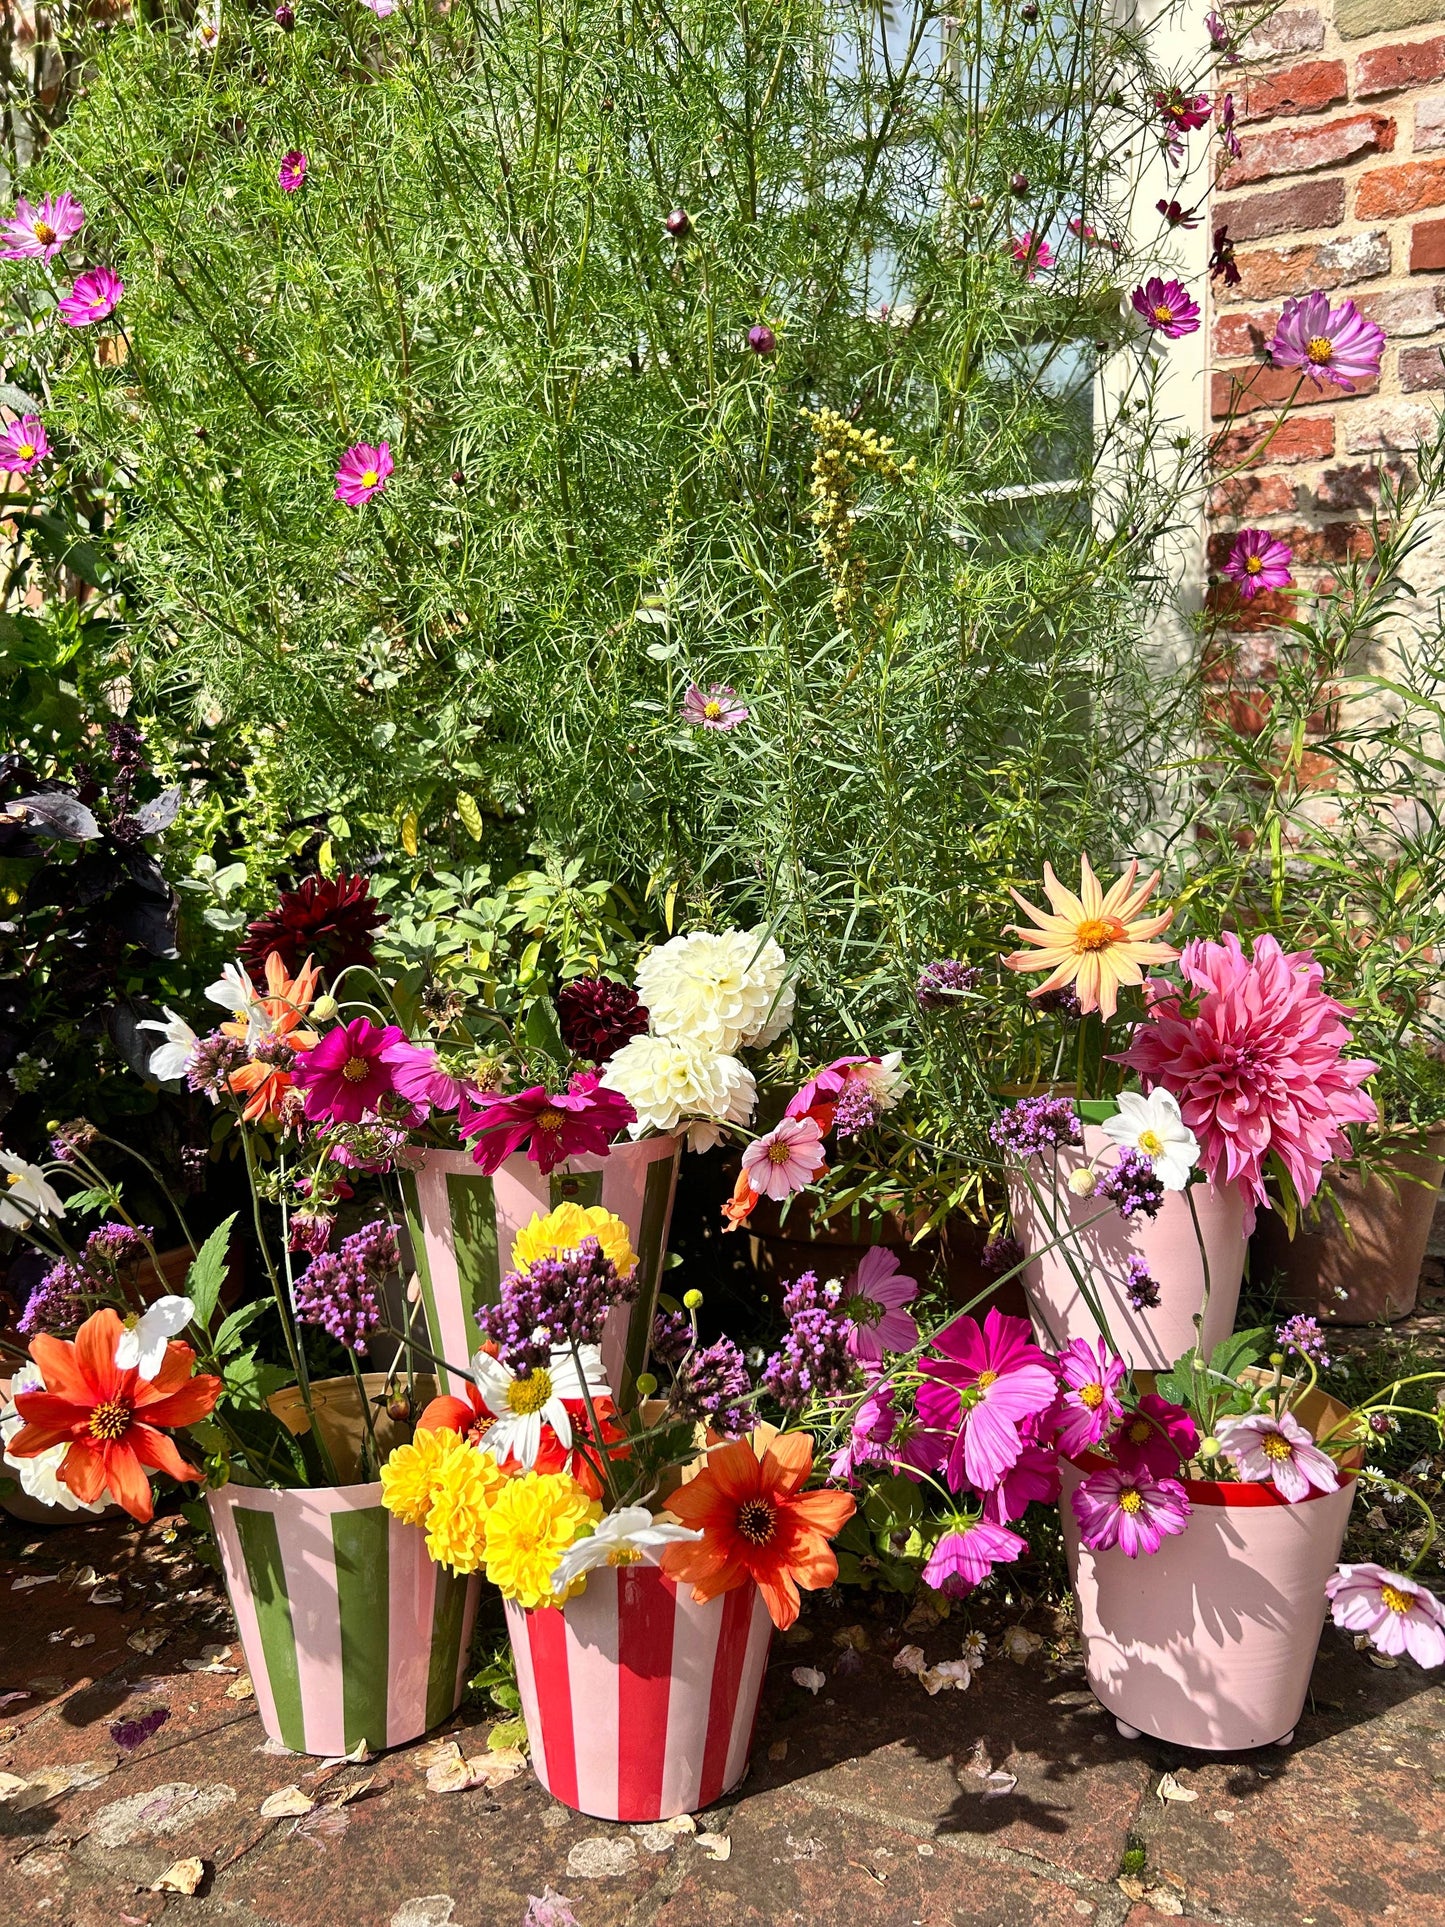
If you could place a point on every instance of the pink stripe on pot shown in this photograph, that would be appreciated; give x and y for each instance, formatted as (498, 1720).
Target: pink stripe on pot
(248, 1627)
(694, 1658)
(750, 1688)
(309, 1560)
(591, 1621)
(453, 1339)
(411, 1602)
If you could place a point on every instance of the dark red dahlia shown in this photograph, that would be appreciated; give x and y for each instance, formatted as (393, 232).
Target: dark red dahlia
(598, 1016)
(329, 919)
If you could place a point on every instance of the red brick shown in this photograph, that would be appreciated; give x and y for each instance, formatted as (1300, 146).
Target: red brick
(1293, 30)
(1306, 88)
(1430, 122)
(1299, 438)
(1299, 150)
(1391, 427)
(1266, 611)
(1410, 63)
(1266, 273)
(1246, 389)
(1415, 310)
(1427, 247)
(1248, 497)
(1324, 547)
(1389, 191)
(1243, 334)
(1353, 485)
(1421, 368)
(1288, 210)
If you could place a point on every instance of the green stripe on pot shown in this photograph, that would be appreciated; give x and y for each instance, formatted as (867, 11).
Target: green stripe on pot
(649, 1267)
(411, 1208)
(261, 1550)
(446, 1646)
(575, 1187)
(472, 1205)
(360, 1541)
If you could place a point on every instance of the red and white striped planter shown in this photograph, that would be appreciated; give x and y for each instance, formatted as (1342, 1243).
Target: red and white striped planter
(639, 1703)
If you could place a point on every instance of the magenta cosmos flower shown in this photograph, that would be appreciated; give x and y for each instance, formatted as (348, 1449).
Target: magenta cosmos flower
(1262, 1448)
(291, 173)
(1167, 307)
(1329, 344)
(987, 1386)
(718, 709)
(419, 1078)
(93, 295)
(1394, 1612)
(362, 472)
(1089, 1379)
(873, 1301)
(23, 444)
(967, 1553)
(1156, 1437)
(346, 1075)
(1030, 254)
(784, 1159)
(1035, 1476)
(1129, 1509)
(1257, 1068)
(1258, 561)
(584, 1117)
(43, 230)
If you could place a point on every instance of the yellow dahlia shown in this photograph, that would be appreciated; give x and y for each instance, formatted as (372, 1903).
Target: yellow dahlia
(410, 1478)
(564, 1228)
(468, 1485)
(1096, 940)
(535, 1519)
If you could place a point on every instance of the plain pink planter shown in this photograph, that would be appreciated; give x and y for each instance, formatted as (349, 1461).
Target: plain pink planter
(640, 1704)
(1148, 1340)
(1210, 1643)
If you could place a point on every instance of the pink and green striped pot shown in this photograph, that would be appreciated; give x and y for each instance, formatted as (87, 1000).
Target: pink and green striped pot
(351, 1633)
(463, 1225)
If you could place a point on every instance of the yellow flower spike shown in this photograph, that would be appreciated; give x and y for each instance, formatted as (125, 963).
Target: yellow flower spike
(1096, 940)
(532, 1523)
(564, 1228)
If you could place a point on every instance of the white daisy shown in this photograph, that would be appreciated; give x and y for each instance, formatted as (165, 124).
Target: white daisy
(1155, 1128)
(143, 1345)
(25, 1194)
(169, 1061)
(236, 994)
(628, 1537)
(520, 1407)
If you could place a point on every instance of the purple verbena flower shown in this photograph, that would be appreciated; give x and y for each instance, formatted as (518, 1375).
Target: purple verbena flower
(209, 1066)
(554, 1303)
(1133, 1187)
(813, 1359)
(1002, 1253)
(114, 1245)
(1142, 1290)
(338, 1290)
(944, 985)
(1035, 1125)
(57, 1303)
(672, 1337)
(1303, 1335)
(709, 1384)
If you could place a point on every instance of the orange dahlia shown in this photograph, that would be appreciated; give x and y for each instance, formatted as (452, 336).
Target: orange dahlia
(1096, 940)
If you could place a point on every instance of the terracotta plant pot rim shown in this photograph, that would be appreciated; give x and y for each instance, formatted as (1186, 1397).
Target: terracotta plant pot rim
(1225, 1492)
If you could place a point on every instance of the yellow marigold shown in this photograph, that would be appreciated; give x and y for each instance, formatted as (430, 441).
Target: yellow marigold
(535, 1519)
(411, 1476)
(468, 1485)
(564, 1228)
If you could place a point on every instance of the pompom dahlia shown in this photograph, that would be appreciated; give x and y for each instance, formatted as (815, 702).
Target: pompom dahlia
(718, 990)
(329, 919)
(668, 1080)
(598, 1016)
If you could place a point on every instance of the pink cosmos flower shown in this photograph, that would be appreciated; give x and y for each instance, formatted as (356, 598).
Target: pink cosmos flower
(585, 1117)
(1228, 139)
(1089, 1377)
(1181, 111)
(23, 444)
(967, 1553)
(1030, 254)
(1129, 1509)
(873, 1301)
(1258, 561)
(873, 1426)
(1167, 307)
(718, 709)
(419, 1078)
(1257, 1068)
(1394, 1612)
(42, 230)
(362, 472)
(1035, 1476)
(1330, 344)
(1156, 1436)
(291, 173)
(93, 295)
(381, 8)
(987, 1386)
(784, 1159)
(1262, 1448)
(346, 1075)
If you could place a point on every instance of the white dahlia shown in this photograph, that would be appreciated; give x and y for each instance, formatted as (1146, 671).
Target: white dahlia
(669, 1079)
(718, 992)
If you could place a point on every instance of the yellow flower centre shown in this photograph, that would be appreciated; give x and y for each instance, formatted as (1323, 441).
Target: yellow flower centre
(528, 1395)
(355, 1069)
(44, 233)
(12, 1177)
(1129, 1500)
(369, 478)
(1253, 564)
(111, 1420)
(25, 450)
(712, 710)
(1276, 1446)
(1397, 1601)
(1319, 348)
(1139, 1431)
(1091, 1396)
(549, 1120)
(1097, 933)
(1151, 1144)
(779, 1153)
(985, 1379)
(1163, 315)
(624, 1556)
(756, 1521)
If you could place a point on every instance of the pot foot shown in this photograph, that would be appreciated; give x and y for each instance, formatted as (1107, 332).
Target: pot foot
(1127, 1732)
(1287, 1739)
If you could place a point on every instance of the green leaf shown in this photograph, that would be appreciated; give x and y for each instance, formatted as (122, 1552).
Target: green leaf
(227, 1338)
(249, 1383)
(507, 1733)
(1244, 1348)
(470, 813)
(1096, 1110)
(542, 1032)
(208, 1272)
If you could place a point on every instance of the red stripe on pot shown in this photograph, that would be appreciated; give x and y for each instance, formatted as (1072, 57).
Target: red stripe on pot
(646, 1613)
(547, 1633)
(519, 1631)
(732, 1647)
(591, 1627)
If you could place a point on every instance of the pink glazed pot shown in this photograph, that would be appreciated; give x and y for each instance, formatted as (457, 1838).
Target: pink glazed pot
(1149, 1340)
(1211, 1641)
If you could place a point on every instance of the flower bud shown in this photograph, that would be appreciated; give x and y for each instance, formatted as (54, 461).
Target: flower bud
(692, 1299)
(679, 224)
(324, 1007)
(1028, 12)
(1208, 1448)
(1020, 185)
(762, 340)
(1276, 1359)
(646, 1384)
(1083, 1182)
(285, 17)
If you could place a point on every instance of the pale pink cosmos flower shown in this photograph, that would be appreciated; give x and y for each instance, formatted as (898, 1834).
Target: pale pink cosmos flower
(1263, 1448)
(381, 8)
(1167, 306)
(1329, 344)
(718, 709)
(292, 171)
(967, 1553)
(784, 1159)
(93, 295)
(873, 1301)
(1258, 561)
(1030, 254)
(1394, 1612)
(420, 1079)
(362, 472)
(44, 230)
(22, 444)
(1129, 1509)
(985, 1390)
(1089, 1376)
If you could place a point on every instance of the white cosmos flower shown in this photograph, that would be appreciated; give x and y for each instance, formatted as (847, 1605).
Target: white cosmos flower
(628, 1537)
(25, 1194)
(39, 1477)
(143, 1345)
(520, 1407)
(670, 1079)
(236, 994)
(1154, 1127)
(170, 1060)
(885, 1081)
(206, 32)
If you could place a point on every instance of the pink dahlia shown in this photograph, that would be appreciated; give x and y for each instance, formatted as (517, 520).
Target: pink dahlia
(1034, 1476)
(873, 1301)
(1090, 1376)
(987, 1386)
(1263, 1448)
(967, 1553)
(1129, 1509)
(1031, 254)
(42, 230)
(420, 1079)
(291, 173)
(718, 708)
(93, 295)
(1394, 1612)
(346, 1075)
(584, 1117)
(23, 444)
(1258, 561)
(362, 472)
(784, 1159)
(1258, 1068)
(1329, 344)
(1156, 1437)
(1167, 307)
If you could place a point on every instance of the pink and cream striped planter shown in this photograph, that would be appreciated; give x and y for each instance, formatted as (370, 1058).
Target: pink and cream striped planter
(639, 1703)
(464, 1224)
(351, 1633)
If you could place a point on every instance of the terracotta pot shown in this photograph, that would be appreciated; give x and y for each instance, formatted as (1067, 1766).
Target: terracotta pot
(463, 1225)
(340, 1420)
(351, 1633)
(639, 1703)
(1210, 1641)
(1372, 1275)
(1151, 1339)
